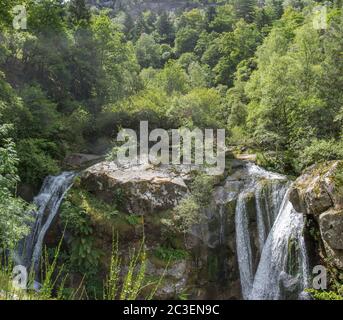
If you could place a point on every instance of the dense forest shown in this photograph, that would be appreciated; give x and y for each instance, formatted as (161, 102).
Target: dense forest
(266, 71)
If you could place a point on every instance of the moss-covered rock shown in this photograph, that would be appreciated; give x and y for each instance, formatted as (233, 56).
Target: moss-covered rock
(318, 188)
(319, 193)
(140, 190)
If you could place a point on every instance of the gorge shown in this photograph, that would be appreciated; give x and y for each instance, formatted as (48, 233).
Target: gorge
(249, 244)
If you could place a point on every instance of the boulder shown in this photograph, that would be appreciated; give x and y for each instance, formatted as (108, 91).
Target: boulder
(139, 189)
(317, 189)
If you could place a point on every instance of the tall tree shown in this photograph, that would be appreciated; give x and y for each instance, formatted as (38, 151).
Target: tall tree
(165, 28)
(79, 13)
(245, 9)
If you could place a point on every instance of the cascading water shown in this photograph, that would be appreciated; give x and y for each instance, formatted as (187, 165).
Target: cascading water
(283, 271)
(267, 207)
(244, 254)
(47, 203)
(267, 189)
(270, 246)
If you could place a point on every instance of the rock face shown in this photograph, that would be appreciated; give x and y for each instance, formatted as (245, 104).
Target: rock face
(319, 193)
(141, 189)
(331, 223)
(224, 244)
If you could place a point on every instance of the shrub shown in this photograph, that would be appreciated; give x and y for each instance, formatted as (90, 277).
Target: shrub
(36, 161)
(324, 295)
(12, 209)
(321, 150)
(186, 214)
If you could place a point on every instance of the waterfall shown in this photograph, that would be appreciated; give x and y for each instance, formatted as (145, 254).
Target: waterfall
(47, 204)
(280, 269)
(272, 260)
(267, 208)
(267, 190)
(244, 254)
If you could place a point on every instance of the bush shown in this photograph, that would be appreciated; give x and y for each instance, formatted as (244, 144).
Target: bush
(321, 150)
(186, 214)
(12, 210)
(201, 188)
(36, 161)
(190, 209)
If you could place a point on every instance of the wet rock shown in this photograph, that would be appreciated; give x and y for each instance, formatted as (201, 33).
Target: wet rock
(289, 286)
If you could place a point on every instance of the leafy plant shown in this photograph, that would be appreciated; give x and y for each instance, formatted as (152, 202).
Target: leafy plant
(134, 280)
(170, 254)
(133, 219)
(324, 295)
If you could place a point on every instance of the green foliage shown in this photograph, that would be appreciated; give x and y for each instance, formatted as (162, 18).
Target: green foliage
(165, 28)
(12, 210)
(223, 20)
(36, 160)
(189, 211)
(321, 150)
(201, 188)
(148, 52)
(186, 214)
(79, 212)
(170, 254)
(43, 112)
(186, 40)
(324, 295)
(202, 107)
(134, 280)
(84, 257)
(339, 180)
(282, 161)
(173, 79)
(79, 14)
(133, 219)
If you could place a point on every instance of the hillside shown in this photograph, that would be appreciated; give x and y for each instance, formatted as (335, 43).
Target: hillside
(154, 151)
(135, 7)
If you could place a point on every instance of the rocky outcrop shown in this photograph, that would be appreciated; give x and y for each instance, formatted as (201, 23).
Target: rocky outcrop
(140, 189)
(140, 199)
(153, 191)
(319, 193)
(318, 189)
(76, 161)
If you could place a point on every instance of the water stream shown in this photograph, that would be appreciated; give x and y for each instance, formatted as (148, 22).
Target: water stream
(47, 204)
(283, 269)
